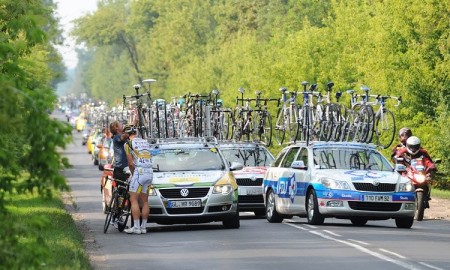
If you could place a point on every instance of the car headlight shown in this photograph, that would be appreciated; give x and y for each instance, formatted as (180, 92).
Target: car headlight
(222, 189)
(151, 191)
(406, 187)
(334, 184)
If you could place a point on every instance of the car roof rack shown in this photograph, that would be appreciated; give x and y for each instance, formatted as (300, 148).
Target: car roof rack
(185, 140)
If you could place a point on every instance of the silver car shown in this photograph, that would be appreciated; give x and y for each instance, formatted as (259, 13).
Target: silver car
(192, 183)
(255, 158)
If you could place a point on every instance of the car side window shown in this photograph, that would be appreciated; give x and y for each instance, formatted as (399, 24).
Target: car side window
(303, 155)
(290, 157)
(280, 157)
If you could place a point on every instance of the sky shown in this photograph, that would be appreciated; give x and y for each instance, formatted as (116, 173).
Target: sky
(67, 11)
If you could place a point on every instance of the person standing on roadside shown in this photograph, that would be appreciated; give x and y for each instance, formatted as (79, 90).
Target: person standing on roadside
(140, 163)
(120, 158)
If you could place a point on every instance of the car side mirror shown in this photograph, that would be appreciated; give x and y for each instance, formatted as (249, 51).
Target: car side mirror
(298, 164)
(236, 166)
(400, 168)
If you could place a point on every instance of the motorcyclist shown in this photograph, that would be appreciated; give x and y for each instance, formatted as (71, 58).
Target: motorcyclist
(412, 151)
(403, 134)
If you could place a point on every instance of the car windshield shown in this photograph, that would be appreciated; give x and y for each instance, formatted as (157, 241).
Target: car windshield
(248, 157)
(168, 160)
(348, 158)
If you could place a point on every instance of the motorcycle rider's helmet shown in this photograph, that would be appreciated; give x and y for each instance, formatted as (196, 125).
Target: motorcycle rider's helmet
(413, 145)
(404, 134)
(129, 129)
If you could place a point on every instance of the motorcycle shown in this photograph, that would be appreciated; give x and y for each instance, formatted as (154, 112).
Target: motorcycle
(416, 172)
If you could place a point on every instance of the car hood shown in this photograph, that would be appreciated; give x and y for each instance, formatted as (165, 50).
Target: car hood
(183, 179)
(251, 171)
(360, 175)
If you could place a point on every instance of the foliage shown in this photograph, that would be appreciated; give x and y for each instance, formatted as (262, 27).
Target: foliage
(29, 67)
(394, 47)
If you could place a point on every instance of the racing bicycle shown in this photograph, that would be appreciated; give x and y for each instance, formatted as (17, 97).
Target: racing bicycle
(119, 207)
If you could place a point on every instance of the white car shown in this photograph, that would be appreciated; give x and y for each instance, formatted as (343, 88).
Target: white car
(256, 159)
(337, 179)
(192, 183)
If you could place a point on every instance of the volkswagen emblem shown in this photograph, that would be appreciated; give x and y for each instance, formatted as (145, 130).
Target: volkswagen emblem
(184, 192)
(253, 178)
(376, 183)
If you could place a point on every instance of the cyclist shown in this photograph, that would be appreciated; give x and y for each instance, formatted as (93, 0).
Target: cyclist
(140, 163)
(403, 135)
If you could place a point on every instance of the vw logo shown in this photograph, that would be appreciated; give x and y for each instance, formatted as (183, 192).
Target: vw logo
(184, 192)
(376, 183)
(253, 178)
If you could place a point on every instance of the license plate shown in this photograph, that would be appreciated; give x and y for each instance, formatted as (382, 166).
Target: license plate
(187, 203)
(249, 190)
(377, 198)
(254, 191)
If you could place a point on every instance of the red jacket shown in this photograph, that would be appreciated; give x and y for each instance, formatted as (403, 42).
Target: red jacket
(426, 159)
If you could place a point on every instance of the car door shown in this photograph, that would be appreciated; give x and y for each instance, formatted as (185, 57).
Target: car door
(285, 186)
(300, 180)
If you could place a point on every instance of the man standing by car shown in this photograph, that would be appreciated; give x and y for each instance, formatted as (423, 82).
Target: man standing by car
(120, 158)
(140, 162)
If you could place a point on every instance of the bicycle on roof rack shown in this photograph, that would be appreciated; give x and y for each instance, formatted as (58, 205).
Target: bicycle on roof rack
(144, 112)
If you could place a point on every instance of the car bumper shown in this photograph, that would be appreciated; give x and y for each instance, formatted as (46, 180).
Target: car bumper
(214, 207)
(398, 204)
(250, 198)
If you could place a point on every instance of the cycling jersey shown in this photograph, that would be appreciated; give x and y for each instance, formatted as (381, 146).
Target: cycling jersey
(143, 172)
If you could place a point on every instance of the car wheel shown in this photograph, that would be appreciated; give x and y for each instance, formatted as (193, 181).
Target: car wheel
(234, 222)
(358, 221)
(312, 207)
(271, 210)
(100, 167)
(404, 223)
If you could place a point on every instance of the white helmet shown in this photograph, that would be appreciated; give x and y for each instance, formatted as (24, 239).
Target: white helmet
(413, 145)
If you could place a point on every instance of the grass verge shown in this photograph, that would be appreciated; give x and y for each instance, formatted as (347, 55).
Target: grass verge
(43, 235)
(439, 193)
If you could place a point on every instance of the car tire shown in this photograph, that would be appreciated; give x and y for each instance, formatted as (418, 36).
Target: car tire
(234, 222)
(312, 209)
(404, 223)
(358, 221)
(271, 209)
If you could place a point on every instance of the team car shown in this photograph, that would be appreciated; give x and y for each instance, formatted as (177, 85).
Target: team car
(337, 179)
(255, 158)
(192, 183)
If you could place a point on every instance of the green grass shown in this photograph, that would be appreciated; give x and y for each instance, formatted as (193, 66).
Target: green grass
(42, 234)
(439, 193)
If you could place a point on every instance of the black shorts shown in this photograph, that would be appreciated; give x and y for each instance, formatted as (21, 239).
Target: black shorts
(119, 174)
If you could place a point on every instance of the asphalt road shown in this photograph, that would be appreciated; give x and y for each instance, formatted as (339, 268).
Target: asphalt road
(258, 244)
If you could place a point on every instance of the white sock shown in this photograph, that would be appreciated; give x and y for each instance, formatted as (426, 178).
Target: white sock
(144, 224)
(136, 223)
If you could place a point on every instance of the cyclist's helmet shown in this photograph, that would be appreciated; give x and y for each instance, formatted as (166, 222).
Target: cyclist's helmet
(413, 145)
(130, 129)
(404, 134)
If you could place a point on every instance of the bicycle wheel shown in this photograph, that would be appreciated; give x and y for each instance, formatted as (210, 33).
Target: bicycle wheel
(280, 126)
(365, 117)
(111, 210)
(370, 127)
(385, 128)
(123, 214)
(327, 122)
(265, 128)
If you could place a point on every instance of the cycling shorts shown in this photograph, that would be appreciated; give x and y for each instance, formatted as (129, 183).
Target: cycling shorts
(141, 180)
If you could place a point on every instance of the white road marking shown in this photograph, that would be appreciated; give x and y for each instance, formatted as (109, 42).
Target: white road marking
(392, 253)
(359, 242)
(332, 233)
(430, 266)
